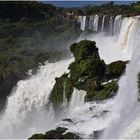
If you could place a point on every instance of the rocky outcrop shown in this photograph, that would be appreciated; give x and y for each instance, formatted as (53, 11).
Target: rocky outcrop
(87, 72)
(63, 88)
(58, 133)
(115, 69)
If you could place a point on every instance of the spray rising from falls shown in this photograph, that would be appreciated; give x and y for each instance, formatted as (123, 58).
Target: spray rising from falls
(126, 108)
(25, 113)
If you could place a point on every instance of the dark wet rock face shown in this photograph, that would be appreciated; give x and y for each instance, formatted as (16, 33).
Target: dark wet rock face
(58, 133)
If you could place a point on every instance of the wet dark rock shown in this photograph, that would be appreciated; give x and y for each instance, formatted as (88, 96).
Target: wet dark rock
(58, 133)
(97, 134)
(68, 120)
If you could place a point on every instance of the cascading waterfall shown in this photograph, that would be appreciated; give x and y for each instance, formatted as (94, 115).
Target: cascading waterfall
(91, 19)
(65, 101)
(83, 22)
(103, 22)
(77, 99)
(123, 110)
(117, 24)
(126, 108)
(111, 25)
(95, 23)
(25, 112)
(126, 35)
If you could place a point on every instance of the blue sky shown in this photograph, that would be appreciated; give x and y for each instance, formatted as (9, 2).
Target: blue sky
(73, 3)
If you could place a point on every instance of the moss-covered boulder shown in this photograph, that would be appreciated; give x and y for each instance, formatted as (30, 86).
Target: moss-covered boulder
(58, 133)
(103, 92)
(62, 89)
(84, 49)
(87, 61)
(38, 136)
(115, 69)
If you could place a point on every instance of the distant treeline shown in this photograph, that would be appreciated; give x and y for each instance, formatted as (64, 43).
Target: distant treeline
(30, 33)
(112, 9)
(15, 10)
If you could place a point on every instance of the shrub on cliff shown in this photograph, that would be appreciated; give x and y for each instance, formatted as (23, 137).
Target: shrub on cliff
(87, 61)
(115, 69)
(104, 92)
(84, 49)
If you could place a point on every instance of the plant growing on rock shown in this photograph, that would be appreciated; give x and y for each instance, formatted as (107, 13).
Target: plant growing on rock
(115, 69)
(87, 61)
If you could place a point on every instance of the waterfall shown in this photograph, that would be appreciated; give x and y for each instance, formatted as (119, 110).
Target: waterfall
(26, 113)
(77, 99)
(91, 19)
(103, 22)
(82, 20)
(127, 35)
(117, 24)
(126, 108)
(95, 23)
(123, 118)
(111, 25)
(65, 101)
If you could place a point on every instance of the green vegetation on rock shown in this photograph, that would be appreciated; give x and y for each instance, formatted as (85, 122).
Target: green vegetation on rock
(103, 92)
(115, 69)
(38, 136)
(62, 88)
(87, 72)
(84, 49)
(108, 91)
(87, 61)
(58, 133)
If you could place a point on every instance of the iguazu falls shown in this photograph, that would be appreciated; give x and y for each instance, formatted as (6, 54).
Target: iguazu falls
(69, 70)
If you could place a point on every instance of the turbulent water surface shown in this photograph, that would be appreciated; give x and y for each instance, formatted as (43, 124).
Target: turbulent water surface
(26, 112)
